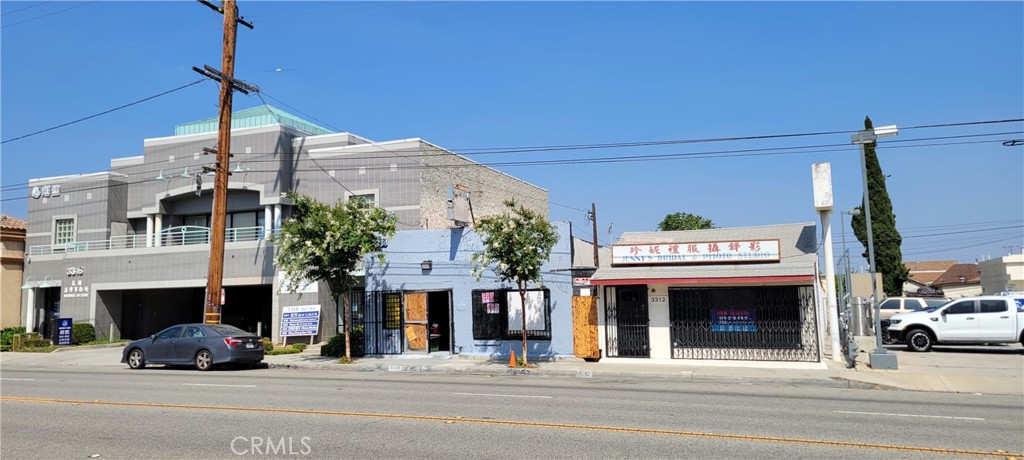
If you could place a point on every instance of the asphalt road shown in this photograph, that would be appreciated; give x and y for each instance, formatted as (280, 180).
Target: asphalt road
(63, 411)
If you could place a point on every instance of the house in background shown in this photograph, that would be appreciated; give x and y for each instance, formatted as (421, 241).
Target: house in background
(12, 256)
(960, 280)
(923, 273)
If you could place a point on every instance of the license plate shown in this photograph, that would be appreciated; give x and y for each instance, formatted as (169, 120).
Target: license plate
(250, 345)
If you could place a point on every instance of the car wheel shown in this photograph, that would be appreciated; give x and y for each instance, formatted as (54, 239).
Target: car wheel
(136, 359)
(919, 340)
(204, 360)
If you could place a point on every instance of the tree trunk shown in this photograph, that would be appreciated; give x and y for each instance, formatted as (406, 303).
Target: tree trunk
(348, 325)
(522, 296)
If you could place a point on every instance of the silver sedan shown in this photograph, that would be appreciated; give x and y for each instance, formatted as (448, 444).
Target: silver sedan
(201, 345)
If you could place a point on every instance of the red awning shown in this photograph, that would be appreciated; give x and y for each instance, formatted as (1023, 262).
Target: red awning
(708, 281)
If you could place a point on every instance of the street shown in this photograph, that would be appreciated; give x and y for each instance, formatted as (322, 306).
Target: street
(108, 411)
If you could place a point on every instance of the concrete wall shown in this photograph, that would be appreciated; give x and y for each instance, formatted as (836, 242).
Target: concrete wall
(12, 264)
(450, 251)
(85, 198)
(860, 285)
(998, 274)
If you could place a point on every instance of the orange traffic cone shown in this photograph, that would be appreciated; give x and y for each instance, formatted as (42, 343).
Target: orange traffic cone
(512, 359)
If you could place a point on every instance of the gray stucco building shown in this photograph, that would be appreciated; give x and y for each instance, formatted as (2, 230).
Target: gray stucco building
(127, 249)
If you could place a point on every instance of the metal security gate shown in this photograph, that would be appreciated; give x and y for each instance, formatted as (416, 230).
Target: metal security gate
(766, 323)
(382, 323)
(627, 322)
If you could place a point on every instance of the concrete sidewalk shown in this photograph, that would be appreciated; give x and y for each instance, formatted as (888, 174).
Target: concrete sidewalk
(984, 370)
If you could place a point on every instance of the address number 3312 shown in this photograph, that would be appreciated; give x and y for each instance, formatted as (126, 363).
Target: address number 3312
(658, 299)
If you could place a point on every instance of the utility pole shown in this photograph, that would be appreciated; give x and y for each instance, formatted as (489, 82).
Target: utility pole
(215, 278)
(593, 218)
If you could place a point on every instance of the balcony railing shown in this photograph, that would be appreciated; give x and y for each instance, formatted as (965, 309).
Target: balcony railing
(170, 237)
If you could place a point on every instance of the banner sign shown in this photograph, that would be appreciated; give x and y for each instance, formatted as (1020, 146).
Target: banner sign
(300, 320)
(64, 331)
(733, 321)
(696, 252)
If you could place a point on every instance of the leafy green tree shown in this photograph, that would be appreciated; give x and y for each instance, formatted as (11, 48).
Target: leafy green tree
(684, 221)
(887, 240)
(516, 245)
(326, 243)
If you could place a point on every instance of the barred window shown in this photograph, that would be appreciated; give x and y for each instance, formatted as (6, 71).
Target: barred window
(64, 231)
(392, 311)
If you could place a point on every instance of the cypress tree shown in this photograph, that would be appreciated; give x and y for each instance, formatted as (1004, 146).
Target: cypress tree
(887, 240)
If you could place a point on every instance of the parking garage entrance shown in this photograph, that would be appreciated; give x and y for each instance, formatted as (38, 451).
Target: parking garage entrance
(139, 313)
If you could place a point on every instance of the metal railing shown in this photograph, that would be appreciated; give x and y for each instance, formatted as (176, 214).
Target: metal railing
(169, 237)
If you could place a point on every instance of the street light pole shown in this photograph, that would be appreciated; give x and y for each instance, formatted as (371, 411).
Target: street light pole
(880, 358)
(846, 254)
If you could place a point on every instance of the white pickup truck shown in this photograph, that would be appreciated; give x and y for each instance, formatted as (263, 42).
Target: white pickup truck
(984, 319)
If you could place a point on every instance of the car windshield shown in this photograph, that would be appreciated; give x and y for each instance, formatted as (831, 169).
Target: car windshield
(224, 329)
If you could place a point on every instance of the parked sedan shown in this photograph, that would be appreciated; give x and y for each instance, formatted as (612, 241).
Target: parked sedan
(202, 345)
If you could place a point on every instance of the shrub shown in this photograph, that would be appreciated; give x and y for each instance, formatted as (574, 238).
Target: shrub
(268, 345)
(299, 346)
(82, 333)
(7, 334)
(336, 346)
(283, 351)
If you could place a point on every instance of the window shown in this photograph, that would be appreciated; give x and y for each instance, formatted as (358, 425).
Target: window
(497, 314)
(932, 303)
(392, 311)
(201, 220)
(169, 333)
(891, 304)
(993, 306)
(64, 231)
(244, 219)
(194, 331)
(959, 308)
(370, 199)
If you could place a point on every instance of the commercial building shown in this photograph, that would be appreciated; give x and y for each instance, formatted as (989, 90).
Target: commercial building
(12, 258)
(719, 294)
(127, 249)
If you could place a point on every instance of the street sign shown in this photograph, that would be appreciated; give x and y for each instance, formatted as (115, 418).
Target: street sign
(64, 331)
(300, 320)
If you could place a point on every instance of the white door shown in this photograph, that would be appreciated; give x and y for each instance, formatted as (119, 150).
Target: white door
(996, 320)
(958, 322)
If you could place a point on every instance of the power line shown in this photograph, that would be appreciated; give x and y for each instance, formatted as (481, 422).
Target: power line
(45, 15)
(25, 8)
(103, 112)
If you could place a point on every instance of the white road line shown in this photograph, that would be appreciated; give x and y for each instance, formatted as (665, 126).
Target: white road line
(908, 415)
(23, 380)
(504, 396)
(217, 385)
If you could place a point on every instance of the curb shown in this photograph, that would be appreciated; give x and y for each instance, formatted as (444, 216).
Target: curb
(90, 347)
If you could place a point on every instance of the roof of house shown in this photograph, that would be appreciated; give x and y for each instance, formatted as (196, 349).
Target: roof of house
(969, 272)
(927, 271)
(13, 223)
(798, 253)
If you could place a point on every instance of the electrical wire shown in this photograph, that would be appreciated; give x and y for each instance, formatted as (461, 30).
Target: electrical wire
(45, 15)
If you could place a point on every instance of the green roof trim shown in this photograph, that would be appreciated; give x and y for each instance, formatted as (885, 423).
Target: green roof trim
(261, 115)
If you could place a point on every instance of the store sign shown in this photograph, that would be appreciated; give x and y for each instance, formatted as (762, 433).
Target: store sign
(76, 288)
(300, 320)
(578, 281)
(45, 191)
(64, 331)
(696, 252)
(733, 321)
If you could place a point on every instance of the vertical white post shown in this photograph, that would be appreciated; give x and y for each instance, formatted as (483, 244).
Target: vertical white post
(110, 336)
(30, 314)
(277, 216)
(157, 227)
(830, 288)
(149, 231)
(268, 221)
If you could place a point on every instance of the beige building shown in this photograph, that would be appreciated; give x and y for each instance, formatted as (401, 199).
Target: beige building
(12, 256)
(1002, 274)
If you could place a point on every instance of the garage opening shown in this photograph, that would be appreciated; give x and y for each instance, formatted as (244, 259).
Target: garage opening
(144, 312)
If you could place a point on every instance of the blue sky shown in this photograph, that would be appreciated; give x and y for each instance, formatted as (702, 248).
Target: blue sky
(469, 76)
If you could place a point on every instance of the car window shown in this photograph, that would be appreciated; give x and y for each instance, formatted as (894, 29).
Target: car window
(224, 329)
(169, 333)
(959, 308)
(935, 302)
(993, 306)
(890, 304)
(194, 331)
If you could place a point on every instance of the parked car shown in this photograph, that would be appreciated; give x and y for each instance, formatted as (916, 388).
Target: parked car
(983, 319)
(201, 345)
(896, 305)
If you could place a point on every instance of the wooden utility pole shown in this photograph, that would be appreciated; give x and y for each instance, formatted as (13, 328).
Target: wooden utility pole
(215, 278)
(593, 218)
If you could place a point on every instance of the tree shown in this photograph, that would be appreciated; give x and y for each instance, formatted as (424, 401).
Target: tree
(684, 221)
(886, 239)
(516, 245)
(326, 243)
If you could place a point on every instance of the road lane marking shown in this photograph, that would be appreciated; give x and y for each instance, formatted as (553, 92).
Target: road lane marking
(504, 396)
(452, 420)
(23, 380)
(218, 385)
(949, 417)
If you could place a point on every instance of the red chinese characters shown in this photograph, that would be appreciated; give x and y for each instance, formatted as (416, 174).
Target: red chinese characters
(673, 249)
(755, 245)
(633, 250)
(713, 247)
(734, 246)
(692, 249)
(654, 249)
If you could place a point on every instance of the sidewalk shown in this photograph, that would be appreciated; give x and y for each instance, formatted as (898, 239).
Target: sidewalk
(990, 370)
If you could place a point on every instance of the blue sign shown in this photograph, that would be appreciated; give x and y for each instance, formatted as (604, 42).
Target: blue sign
(300, 320)
(64, 331)
(733, 321)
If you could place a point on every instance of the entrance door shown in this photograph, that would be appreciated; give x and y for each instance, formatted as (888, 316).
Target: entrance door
(416, 321)
(632, 321)
(440, 317)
